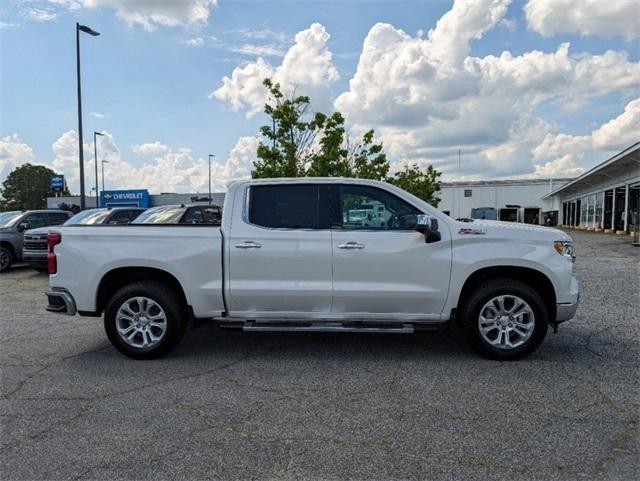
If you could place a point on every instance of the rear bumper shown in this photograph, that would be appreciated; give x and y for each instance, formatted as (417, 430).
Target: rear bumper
(567, 310)
(60, 302)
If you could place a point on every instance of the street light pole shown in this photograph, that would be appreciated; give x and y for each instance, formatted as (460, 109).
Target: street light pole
(210, 157)
(88, 30)
(103, 162)
(95, 154)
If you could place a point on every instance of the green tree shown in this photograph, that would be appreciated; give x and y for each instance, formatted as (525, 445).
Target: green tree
(27, 187)
(419, 182)
(302, 143)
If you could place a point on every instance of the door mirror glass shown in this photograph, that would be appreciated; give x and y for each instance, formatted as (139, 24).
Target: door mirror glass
(22, 226)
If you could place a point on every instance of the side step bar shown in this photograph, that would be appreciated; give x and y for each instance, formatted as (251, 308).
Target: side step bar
(323, 326)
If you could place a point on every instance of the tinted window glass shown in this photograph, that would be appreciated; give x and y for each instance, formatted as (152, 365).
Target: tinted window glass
(89, 216)
(120, 217)
(363, 207)
(212, 215)
(57, 218)
(193, 216)
(134, 213)
(170, 214)
(284, 206)
(36, 220)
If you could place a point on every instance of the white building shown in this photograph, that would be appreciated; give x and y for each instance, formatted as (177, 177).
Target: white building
(607, 197)
(522, 200)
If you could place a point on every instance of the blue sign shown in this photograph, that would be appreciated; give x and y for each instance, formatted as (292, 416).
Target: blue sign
(57, 183)
(121, 198)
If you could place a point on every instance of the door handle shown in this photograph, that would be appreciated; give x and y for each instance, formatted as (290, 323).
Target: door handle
(351, 245)
(249, 245)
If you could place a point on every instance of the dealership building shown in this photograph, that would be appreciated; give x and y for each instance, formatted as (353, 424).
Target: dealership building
(605, 198)
(518, 200)
(136, 198)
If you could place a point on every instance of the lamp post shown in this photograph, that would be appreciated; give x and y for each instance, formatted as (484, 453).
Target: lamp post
(85, 29)
(210, 157)
(95, 155)
(103, 162)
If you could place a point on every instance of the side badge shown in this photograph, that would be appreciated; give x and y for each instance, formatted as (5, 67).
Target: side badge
(469, 231)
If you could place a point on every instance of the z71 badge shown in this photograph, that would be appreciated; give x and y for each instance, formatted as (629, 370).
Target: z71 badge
(469, 231)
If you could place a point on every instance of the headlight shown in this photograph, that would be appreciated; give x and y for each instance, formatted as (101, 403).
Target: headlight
(564, 248)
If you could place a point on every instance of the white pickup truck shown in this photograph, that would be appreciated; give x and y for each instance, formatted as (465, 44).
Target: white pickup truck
(316, 254)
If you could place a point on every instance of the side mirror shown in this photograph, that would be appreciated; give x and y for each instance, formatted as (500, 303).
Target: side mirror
(22, 226)
(429, 227)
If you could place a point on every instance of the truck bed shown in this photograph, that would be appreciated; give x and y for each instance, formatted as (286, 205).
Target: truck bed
(190, 253)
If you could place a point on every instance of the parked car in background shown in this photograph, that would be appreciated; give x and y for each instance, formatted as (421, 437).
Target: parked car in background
(34, 250)
(181, 214)
(284, 259)
(14, 224)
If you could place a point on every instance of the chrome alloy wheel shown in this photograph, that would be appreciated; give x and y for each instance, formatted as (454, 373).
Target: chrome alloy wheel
(141, 322)
(506, 322)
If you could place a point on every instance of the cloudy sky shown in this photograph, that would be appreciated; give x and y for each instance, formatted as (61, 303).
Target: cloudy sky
(523, 88)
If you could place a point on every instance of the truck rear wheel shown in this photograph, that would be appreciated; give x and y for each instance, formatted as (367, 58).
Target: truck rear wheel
(145, 320)
(505, 319)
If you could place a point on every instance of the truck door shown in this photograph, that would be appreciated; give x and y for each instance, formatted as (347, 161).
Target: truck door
(385, 268)
(280, 252)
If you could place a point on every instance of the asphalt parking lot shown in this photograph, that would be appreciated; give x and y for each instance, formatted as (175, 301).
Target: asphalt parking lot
(228, 405)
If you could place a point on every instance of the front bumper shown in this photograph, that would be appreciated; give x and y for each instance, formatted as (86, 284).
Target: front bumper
(567, 310)
(35, 258)
(60, 302)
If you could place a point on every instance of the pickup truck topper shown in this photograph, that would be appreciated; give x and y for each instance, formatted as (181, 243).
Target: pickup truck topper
(317, 254)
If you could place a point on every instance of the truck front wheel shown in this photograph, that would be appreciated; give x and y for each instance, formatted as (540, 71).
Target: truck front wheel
(505, 319)
(6, 259)
(145, 320)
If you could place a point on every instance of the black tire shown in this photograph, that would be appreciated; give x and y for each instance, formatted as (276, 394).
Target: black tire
(6, 257)
(172, 305)
(488, 290)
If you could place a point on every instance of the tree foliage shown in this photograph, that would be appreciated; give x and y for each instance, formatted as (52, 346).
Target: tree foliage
(27, 187)
(419, 182)
(302, 143)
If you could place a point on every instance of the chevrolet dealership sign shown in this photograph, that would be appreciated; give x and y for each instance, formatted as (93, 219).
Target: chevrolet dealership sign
(120, 198)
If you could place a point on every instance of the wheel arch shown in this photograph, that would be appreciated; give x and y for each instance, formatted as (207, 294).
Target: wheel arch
(535, 279)
(113, 280)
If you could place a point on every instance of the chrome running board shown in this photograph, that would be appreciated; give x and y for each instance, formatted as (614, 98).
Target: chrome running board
(324, 326)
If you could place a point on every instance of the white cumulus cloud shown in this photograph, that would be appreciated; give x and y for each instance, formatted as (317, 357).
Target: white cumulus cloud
(13, 153)
(306, 69)
(427, 97)
(170, 169)
(150, 14)
(585, 17)
(560, 154)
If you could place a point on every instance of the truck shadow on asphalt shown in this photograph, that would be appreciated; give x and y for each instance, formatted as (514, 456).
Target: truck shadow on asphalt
(210, 341)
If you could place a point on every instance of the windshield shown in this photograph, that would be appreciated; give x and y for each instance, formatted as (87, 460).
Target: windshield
(91, 216)
(7, 219)
(169, 214)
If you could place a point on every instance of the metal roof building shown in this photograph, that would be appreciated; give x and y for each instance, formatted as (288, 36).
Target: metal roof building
(606, 197)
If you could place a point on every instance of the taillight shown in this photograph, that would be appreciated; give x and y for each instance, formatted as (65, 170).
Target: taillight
(53, 239)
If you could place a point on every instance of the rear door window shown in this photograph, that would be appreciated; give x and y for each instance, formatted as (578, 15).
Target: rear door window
(193, 216)
(57, 218)
(285, 206)
(120, 217)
